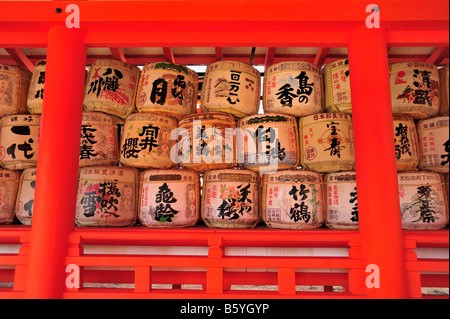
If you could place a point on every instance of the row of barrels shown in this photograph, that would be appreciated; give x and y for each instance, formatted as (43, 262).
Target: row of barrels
(297, 88)
(228, 198)
(264, 143)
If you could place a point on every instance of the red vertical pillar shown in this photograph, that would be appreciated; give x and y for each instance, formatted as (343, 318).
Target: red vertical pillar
(378, 201)
(57, 170)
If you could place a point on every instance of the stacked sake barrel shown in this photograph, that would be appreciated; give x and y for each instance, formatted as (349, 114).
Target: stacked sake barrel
(420, 91)
(420, 121)
(19, 138)
(147, 151)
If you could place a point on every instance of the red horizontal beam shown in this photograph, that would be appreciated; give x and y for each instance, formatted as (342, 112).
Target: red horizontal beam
(226, 10)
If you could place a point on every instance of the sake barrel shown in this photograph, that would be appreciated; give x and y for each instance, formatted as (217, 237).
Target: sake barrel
(14, 84)
(19, 140)
(337, 87)
(434, 143)
(145, 141)
(231, 87)
(107, 196)
(167, 88)
(444, 90)
(341, 200)
(169, 198)
(423, 202)
(110, 87)
(9, 184)
(207, 141)
(406, 143)
(99, 140)
(268, 142)
(415, 89)
(25, 196)
(326, 142)
(293, 88)
(230, 198)
(36, 90)
(292, 199)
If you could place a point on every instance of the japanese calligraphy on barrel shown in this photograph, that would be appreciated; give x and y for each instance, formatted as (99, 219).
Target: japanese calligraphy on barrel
(444, 90)
(415, 89)
(107, 196)
(9, 184)
(145, 141)
(207, 141)
(326, 142)
(434, 143)
(14, 84)
(167, 88)
(230, 198)
(169, 198)
(406, 142)
(268, 142)
(25, 196)
(36, 90)
(19, 140)
(292, 199)
(99, 140)
(110, 87)
(231, 87)
(337, 87)
(293, 88)
(423, 201)
(341, 201)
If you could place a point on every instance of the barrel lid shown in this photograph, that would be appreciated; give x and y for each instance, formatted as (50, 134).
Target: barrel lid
(419, 178)
(163, 66)
(97, 118)
(154, 175)
(8, 175)
(232, 65)
(21, 119)
(347, 176)
(267, 118)
(218, 116)
(292, 66)
(109, 173)
(230, 175)
(151, 117)
(293, 176)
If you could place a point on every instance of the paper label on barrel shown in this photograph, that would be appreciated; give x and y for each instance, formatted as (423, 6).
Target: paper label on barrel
(231, 87)
(415, 88)
(168, 204)
(326, 138)
(210, 142)
(36, 91)
(422, 201)
(98, 142)
(342, 200)
(298, 204)
(434, 141)
(293, 90)
(167, 86)
(25, 198)
(231, 202)
(19, 141)
(268, 139)
(105, 202)
(9, 181)
(146, 140)
(405, 139)
(110, 87)
(340, 81)
(8, 89)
